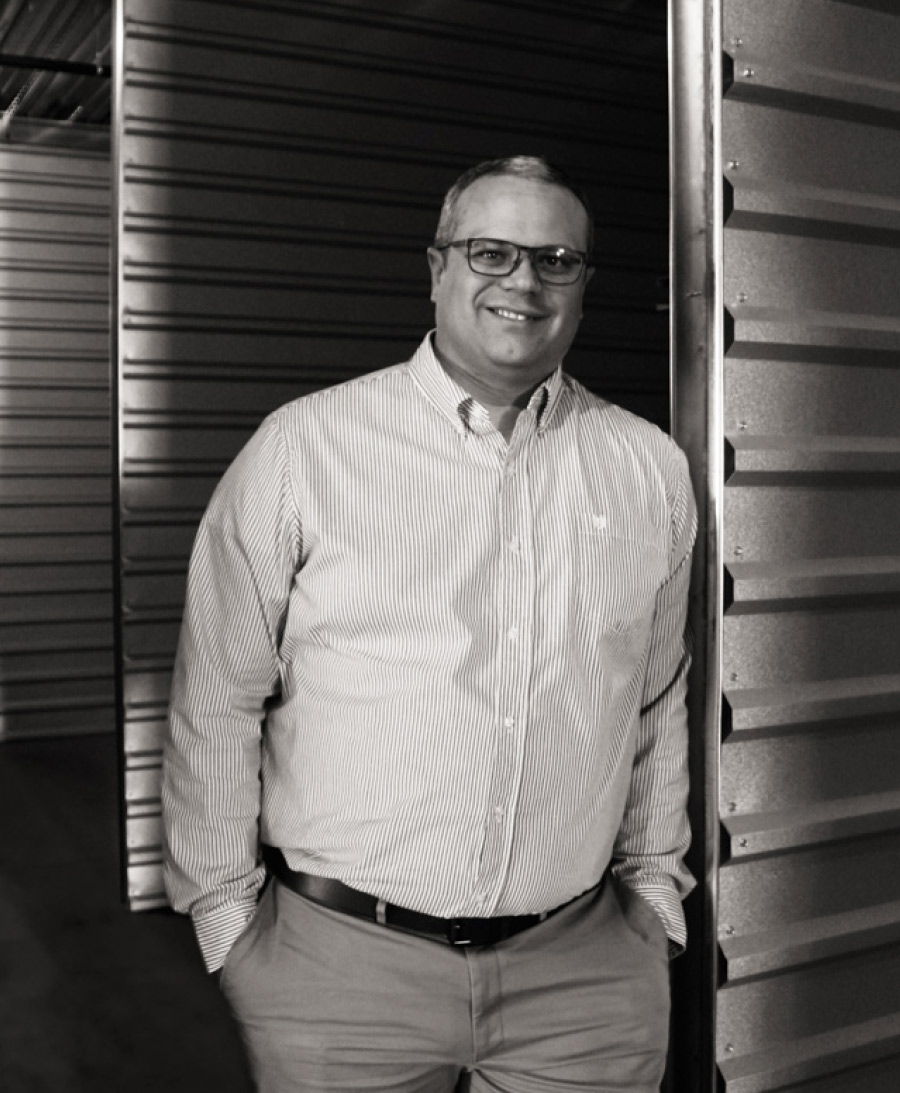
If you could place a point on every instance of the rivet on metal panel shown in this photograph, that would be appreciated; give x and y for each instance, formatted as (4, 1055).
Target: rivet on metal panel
(729, 1048)
(729, 931)
(749, 73)
(742, 297)
(736, 43)
(743, 842)
(733, 164)
(742, 425)
(733, 677)
(732, 806)
(738, 551)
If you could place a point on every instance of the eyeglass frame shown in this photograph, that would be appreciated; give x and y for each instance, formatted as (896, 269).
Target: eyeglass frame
(520, 251)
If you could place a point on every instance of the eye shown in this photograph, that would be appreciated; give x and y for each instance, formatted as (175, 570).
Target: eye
(490, 252)
(558, 260)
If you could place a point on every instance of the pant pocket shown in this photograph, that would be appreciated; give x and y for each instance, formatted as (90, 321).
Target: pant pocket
(244, 940)
(642, 919)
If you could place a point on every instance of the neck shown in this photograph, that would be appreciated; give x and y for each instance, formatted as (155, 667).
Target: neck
(502, 396)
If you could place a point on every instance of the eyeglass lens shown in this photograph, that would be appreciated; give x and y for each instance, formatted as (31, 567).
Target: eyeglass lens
(495, 257)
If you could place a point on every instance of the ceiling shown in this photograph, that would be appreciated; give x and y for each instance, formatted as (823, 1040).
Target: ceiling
(55, 63)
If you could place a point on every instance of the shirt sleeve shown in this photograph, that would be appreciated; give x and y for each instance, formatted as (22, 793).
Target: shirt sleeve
(655, 833)
(227, 668)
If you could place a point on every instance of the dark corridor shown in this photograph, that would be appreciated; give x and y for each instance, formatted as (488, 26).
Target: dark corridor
(93, 998)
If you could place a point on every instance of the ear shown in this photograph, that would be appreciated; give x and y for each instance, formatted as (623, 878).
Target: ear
(436, 263)
(588, 274)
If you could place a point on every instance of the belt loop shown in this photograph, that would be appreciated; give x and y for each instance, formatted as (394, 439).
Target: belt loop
(381, 912)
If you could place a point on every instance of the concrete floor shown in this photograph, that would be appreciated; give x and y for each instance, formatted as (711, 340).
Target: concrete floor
(93, 997)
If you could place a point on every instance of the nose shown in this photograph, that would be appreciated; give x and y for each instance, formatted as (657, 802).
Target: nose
(524, 276)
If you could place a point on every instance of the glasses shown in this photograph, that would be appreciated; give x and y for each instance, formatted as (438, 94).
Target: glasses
(498, 258)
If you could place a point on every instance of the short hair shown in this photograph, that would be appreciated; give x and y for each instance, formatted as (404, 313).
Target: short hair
(535, 168)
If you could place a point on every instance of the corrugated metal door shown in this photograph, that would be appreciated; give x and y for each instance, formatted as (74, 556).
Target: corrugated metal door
(280, 167)
(56, 628)
(807, 881)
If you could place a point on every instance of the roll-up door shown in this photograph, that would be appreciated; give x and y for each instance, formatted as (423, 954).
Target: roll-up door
(56, 626)
(280, 167)
(804, 426)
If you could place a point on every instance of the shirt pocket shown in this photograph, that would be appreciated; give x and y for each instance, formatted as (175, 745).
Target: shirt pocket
(619, 572)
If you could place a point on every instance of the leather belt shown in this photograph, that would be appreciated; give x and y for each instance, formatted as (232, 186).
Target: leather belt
(451, 931)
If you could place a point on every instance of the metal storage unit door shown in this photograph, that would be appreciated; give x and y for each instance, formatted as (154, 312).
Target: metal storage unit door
(279, 170)
(56, 627)
(809, 884)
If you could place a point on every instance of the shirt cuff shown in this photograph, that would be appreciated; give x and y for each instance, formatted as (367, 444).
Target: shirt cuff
(218, 930)
(667, 905)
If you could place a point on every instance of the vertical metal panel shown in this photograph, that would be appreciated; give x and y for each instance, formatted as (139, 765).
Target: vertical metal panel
(697, 344)
(56, 629)
(809, 881)
(279, 171)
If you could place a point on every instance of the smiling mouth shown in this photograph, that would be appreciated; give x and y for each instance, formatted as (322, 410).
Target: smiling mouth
(515, 316)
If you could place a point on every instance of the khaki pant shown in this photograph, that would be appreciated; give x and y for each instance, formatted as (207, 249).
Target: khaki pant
(330, 1002)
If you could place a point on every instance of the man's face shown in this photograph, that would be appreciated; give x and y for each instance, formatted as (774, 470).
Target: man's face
(510, 329)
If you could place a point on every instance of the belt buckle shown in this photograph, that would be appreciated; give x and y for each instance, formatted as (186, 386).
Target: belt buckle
(454, 933)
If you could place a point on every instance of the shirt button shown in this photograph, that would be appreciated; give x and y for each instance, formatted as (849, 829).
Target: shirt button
(512, 633)
(514, 545)
(509, 723)
(499, 813)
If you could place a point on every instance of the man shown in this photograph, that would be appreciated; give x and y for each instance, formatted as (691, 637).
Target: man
(433, 656)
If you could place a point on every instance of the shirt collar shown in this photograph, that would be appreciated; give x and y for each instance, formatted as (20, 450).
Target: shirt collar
(457, 405)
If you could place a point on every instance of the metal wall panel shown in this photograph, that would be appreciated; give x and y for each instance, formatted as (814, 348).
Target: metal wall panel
(56, 629)
(279, 169)
(809, 774)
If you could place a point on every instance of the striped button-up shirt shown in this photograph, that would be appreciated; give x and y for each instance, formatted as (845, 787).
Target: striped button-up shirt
(444, 669)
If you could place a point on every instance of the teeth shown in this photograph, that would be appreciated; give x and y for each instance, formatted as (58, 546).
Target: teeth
(517, 315)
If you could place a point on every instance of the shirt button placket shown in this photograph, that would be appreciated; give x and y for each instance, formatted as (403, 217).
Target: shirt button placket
(515, 595)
